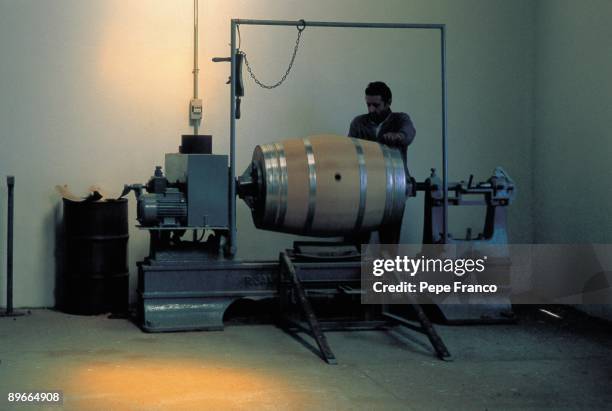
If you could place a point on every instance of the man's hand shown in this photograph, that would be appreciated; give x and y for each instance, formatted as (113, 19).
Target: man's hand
(393, 139)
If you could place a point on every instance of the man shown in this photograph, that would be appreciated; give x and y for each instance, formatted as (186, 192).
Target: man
(381, 124)
(385, 127)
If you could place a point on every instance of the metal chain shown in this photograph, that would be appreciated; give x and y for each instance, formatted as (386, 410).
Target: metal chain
(300, 29)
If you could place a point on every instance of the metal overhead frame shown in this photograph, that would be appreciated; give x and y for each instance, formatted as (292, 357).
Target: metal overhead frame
(236, 22)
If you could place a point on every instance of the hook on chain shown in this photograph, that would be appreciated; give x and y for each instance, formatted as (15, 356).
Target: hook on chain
(301, 25)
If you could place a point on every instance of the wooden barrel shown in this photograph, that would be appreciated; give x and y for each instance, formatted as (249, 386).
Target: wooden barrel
(328, 186)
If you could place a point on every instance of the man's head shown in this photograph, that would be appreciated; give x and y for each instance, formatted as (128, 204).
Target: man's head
(378, 99)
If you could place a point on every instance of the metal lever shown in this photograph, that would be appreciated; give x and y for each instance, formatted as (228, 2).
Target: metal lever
(237, 112)
(238, 73)
(223, 60)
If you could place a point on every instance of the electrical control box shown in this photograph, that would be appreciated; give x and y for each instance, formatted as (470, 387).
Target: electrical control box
(195, 109)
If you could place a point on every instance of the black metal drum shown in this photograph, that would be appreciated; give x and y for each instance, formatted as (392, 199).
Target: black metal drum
(96, 275)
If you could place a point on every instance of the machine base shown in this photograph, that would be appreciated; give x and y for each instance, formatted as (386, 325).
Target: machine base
(180, 292)
(190, 296)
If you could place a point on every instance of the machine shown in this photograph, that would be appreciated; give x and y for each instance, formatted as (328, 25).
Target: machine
(324, 186)
(318, 186)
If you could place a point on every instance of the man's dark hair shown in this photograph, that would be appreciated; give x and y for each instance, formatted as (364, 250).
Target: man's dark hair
(378, 88)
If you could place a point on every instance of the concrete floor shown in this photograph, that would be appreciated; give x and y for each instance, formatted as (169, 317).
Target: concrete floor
(109, 364)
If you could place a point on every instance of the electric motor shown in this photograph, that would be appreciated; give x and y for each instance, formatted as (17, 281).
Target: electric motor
(168, 208)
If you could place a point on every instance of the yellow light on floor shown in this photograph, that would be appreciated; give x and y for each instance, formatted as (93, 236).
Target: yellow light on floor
(181, 384)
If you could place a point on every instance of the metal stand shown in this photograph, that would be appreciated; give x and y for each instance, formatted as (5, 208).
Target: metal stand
(235, 101)
(291, 289)
(496, 195)
(426, 328)
(288, 269)
(10, 181)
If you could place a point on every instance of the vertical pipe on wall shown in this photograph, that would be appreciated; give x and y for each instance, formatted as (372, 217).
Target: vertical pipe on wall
(10, 180)
(195, 59)
(232, 171)
(444, 136)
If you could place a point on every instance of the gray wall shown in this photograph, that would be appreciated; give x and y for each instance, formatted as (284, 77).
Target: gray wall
(96, 92)
(573, 145)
